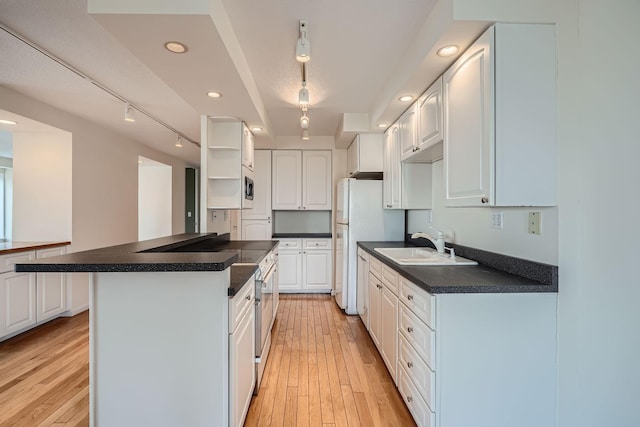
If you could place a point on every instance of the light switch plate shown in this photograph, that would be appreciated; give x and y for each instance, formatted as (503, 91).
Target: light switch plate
(534, 222)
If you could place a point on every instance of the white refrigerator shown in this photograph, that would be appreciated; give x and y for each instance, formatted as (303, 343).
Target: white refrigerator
(359, 217)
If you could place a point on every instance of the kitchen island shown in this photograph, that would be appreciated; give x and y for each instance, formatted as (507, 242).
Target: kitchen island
(171, 329)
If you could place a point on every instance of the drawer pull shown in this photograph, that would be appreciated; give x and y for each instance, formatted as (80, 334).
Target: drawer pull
(410, 297)
(410, 329)
(409, 365)
(248, 297)
(409, 399)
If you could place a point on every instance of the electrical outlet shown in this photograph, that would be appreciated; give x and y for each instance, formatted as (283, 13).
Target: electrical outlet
(497, 220)
(534, 222)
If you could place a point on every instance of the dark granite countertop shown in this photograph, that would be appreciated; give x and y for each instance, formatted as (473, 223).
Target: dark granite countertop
(239, 276)
(461, 279)
(301, 235)
(9, 247)
(182, 252)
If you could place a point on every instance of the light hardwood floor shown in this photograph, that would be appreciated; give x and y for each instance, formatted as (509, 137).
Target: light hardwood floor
(44, 375)
(323, 370)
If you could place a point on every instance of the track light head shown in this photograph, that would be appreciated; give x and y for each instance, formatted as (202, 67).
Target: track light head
(304, 121)
(303, 47)
(305, 135)
(303, 97)
(179, 141)
(129, 114)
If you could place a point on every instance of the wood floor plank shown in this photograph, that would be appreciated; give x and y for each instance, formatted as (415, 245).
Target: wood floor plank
(350, 406)
(291, 407)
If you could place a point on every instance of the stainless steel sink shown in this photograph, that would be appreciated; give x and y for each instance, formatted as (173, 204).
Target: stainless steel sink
(421, 256)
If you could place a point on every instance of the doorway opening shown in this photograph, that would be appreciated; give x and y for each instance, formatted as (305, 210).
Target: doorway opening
(154, 199)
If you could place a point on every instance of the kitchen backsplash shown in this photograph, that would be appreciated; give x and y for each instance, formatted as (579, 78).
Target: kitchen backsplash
(302, 222)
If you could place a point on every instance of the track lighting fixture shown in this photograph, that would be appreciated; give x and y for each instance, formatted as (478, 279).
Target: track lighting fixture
(303, 48)
(179, 141)
(129, 113)
(305, 135)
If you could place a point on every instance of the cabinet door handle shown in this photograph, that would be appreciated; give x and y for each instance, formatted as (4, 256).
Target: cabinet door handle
(484, 200)
(410, 329)
(409, 399)
(409, 365)
(248, 297)
(417, 148)
(410, 297)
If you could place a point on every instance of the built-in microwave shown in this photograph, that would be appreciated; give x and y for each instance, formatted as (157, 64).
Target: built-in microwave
(248, 188)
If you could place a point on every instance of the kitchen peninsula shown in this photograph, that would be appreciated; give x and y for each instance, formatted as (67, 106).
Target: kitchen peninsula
(171, 328)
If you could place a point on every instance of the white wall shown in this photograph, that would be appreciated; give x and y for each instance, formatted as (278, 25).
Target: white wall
(42, 178)
(154, 200)
(472, 226)
(598, 174)
(599, 286)
(104, 183)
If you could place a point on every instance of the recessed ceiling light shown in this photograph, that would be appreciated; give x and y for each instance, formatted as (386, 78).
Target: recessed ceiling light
(256, 129)
(406, 98)
(8, 122)
(214, 94)
(382, 125)
(175, 47)
(447, 50)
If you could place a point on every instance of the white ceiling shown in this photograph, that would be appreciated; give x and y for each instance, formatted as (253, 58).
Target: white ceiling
(364, 53)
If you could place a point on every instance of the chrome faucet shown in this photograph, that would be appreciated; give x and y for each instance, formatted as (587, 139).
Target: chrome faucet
(437, 242)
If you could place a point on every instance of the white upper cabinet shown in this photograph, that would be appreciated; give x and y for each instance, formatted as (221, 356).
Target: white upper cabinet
(500, 119)
(364, 156)
(287, 180)
(301, 180)
(226, 152)
(405, 185)
(429, 126)
(247, 148)
(392, 176)
(316, 180)
(261, 208)
(408, 135)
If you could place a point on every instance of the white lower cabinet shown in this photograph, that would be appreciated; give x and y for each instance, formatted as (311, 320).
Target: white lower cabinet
(51, 288)
(305, 265)
(383, 315)
(241, 353)
(28, 299)
(466, 359)
(419, 409)
(17, 301)
(362, 297)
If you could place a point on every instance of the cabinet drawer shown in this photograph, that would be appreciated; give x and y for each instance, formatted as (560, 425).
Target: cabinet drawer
(375, 266)
(423, 378)
(421, 302)
(240, 303)
(418, 334)
(290, 244)
(390, 278)
(417, 406)
(316, 243)
(8, 261)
